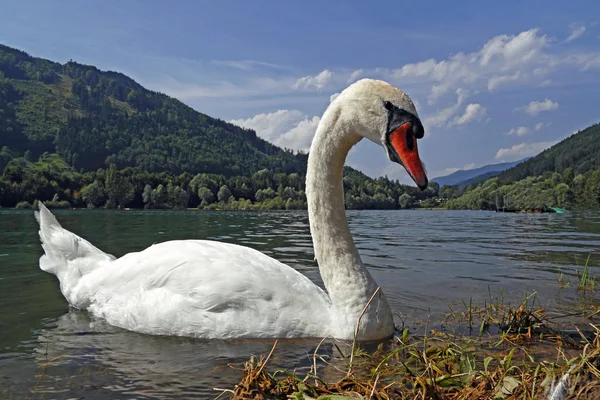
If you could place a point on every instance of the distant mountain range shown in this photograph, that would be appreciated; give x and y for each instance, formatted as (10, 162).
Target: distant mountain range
(470, 176)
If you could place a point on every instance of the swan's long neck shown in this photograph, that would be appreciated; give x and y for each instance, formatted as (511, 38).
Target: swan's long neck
(348, 282)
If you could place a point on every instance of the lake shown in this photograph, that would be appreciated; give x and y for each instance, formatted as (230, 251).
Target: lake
(423, 260)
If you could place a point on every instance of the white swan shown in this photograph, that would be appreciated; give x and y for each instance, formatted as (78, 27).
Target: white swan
(209, 289)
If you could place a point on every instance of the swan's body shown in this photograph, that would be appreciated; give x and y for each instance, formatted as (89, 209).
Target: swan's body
(210, 289)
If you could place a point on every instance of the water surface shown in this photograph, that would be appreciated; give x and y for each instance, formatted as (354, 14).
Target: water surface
(424, 261)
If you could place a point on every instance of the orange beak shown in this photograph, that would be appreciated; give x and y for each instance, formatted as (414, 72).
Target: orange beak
(405, 146)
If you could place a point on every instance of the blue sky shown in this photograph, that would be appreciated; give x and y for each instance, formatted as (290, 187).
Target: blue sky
(492, 82)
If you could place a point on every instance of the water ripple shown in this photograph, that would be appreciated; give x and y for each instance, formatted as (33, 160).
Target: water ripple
(424, 261)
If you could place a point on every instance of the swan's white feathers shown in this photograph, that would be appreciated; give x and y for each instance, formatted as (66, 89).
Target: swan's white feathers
(188, 288)
(65, 251)
(212, 289)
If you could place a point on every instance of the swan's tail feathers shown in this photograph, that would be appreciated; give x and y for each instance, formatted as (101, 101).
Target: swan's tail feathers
(64, 250)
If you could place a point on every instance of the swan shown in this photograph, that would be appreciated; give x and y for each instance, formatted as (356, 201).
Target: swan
(215, 290)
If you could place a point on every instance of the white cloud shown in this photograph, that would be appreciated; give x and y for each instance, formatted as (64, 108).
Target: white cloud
(520, 151)
(469, 166)
(536, 107)
(333, 97)
(576, 31)
(539, 126)
(473, 112)
(499, 80)
(520, 131)
(503, 59)
(355, 75)
(300, 136)
(441, 117)
(285, 128)
(318, 82)
(529, 58)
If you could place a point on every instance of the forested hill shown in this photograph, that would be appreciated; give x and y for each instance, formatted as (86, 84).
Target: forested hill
(566, 175)
(74, 136)
(580, 152)
(94, 118)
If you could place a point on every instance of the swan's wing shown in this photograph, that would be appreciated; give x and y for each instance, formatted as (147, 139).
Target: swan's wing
(207, 289)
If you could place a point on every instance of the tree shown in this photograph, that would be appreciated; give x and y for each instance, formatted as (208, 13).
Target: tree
(405, 201)
(206, 196)
(94, 195)
(564, 195)
(224, 194)
(5, 157)
(147, 196)
(568, 176)
(160, 197)
(118, 188)
(433, 188)
(178, 198)
(288, 194)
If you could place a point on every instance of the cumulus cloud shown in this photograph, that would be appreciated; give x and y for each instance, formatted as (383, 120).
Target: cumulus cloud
(520, 131)
(576, 31)
(539, 126)
(448, 116)
(440, 118)
(355, 75)
(520, 151)
(497, 81)
(528, 58)
(285, 128)
(333, 97)
(318, 82)
(503, 59)
(536, 107)
(473, 112)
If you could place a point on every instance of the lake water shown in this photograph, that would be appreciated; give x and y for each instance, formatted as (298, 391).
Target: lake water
(423, 260)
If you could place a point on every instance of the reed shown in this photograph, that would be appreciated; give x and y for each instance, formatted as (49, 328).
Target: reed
(587, 282)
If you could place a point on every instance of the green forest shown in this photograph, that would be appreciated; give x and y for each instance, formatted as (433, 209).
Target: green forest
(550, 189)
(74, 136)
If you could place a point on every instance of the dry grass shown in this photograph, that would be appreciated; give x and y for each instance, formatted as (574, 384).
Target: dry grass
(530, 357)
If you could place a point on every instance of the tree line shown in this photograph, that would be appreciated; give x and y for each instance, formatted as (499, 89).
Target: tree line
(53, 181)
(550, 189)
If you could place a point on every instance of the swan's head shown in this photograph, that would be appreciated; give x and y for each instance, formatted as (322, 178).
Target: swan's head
(384, 114)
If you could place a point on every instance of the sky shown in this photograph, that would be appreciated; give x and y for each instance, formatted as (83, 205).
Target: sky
(492, 81)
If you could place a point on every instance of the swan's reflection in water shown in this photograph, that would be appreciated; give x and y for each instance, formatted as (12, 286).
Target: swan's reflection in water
(87, 357)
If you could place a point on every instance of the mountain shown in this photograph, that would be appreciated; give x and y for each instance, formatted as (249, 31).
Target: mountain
(567, 175)
(580, 152)
(478, 179)
(72, 135)
(95, 118)
(467, 177)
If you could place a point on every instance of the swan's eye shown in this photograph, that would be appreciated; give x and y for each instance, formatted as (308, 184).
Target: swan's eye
(388, 105)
